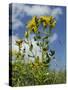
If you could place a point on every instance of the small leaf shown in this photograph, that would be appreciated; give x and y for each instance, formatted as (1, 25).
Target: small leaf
(37, 44)
(52, 52)
(45, 49)
(47, 42)
(31, 47)
(35, 38)
(39, 37)
(38, 32)
(26, 34)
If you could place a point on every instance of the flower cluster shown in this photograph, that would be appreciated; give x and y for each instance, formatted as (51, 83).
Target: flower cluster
(32, 25)
(48, 21)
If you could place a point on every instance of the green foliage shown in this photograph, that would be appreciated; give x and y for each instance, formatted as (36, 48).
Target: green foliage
(35, 74)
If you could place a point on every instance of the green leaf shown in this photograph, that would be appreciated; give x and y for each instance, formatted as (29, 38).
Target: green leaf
(52, 52)
(31, 47)
(27, 34)
(35, 38)
(45, 49)
(37, 44)
(38, 37)
(46, 37)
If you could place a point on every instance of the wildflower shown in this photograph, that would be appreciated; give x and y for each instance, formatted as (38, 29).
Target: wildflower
(32, 25)
(53, 24)
(45, 20)
(48, 21)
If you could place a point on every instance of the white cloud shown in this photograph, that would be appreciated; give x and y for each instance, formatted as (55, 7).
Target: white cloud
(56, 12)
(17, 13)
(37, 10)
(16, 23)
(36, 49)
(53, 38)
(17, 10)
(12, 44)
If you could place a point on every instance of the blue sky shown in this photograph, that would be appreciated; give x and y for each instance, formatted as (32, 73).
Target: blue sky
(22, 13)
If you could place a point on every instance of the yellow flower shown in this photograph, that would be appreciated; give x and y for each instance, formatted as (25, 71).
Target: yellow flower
(35, 29)
(53, 24)
(32, 24)
(48, 21)
(45, 19)
(44, 24)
